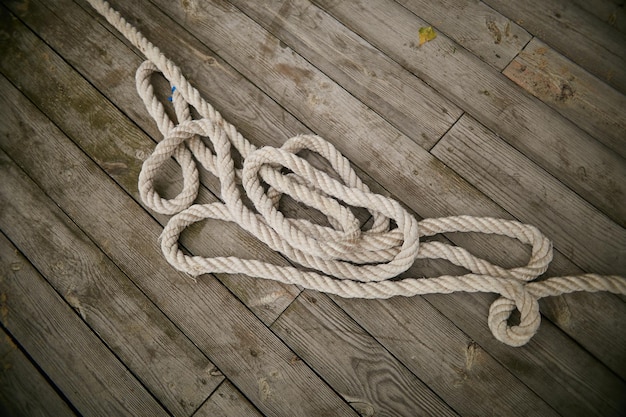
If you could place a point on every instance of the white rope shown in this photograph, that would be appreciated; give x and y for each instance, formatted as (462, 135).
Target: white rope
(351, 262)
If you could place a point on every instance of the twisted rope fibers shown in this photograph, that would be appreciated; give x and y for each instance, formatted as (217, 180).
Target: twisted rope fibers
(351, 262)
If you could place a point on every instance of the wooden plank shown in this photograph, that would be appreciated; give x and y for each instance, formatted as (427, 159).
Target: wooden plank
(360, 369)
(158, 354)
(355, 365)
(382, 84)
(463, 359)
(475, 26)
(227, 401)
(88, 374)
(227, 332)
(23, 390)
(452, 364)
(529, 125)
(580, 36)
(609, 11)
(122, 159)
(573, 92)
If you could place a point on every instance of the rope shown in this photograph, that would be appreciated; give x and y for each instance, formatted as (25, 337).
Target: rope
(342, 259)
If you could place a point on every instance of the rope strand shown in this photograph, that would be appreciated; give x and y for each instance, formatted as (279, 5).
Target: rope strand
(351, 262)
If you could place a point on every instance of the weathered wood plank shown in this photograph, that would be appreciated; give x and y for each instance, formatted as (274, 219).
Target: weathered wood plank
(120, 159)
(529, 125)
(573, 92)
(23, 390)
(453, 365)
(472, 24)
(227, 401)
(531, 194)
(569, 382)
(165, 361)
(609, 11)
(360, 369)
(223, 328)
(382, 84)
(88, 374)
(355, 365)
(580, 36)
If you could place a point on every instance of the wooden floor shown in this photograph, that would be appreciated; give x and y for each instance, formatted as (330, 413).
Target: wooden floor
(515, 110)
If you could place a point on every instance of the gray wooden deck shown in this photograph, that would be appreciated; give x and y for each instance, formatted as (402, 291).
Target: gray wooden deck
(515, 110)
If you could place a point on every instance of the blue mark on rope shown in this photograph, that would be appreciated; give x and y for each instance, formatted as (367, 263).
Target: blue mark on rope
(170, 97)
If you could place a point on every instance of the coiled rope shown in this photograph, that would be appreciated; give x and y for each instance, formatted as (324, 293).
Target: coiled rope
(351, 262)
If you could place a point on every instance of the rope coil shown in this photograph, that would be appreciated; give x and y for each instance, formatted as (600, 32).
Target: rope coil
(351, 262)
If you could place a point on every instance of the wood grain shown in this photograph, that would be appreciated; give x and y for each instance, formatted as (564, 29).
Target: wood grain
(609, 11)
(359, 368)
(227, 401)
(573, 92)
(577, 34)
(568, 378)
(88, 374)
(475, 26)
(23, 390)
(377, 81)
(451, 364)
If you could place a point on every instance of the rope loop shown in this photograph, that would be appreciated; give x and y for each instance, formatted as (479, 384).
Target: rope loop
(500, 314)
(343, 258)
